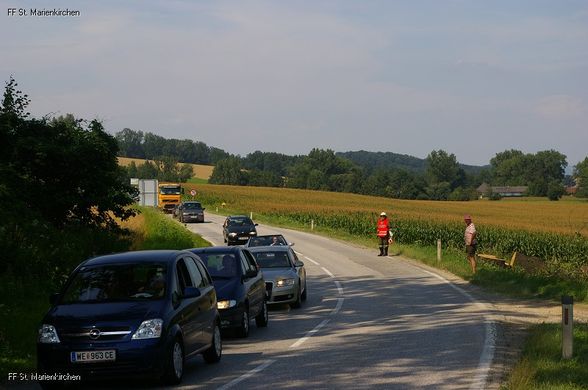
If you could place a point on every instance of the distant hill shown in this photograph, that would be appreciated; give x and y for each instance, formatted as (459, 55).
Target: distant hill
(387, 160)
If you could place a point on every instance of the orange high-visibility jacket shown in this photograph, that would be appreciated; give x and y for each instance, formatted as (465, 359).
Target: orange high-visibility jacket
(383, 227)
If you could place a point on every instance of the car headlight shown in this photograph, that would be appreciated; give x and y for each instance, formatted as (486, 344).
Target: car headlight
(225, 304)
(232, 234)
(48, 334)
(149, 329)
(285, 282)
(253, 233)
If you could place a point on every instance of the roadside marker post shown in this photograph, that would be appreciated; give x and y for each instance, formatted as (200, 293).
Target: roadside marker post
(312, 224)
(438, 250)
(567, 322)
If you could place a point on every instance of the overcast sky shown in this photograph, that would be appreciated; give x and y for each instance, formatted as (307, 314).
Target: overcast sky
(473, 78)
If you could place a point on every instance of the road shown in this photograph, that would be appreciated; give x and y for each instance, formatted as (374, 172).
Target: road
(369, 322)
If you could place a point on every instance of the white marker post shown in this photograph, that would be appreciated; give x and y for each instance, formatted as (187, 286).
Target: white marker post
(567, 322)
(312, 224)
(438, 250)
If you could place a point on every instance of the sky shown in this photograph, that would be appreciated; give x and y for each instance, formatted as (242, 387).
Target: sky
(471, 77)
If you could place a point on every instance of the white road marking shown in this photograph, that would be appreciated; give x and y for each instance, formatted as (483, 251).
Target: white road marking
(309, 334)
(247, 375)
(339, 288)
(489, 338)
(338, 307)
(328, 272)
(311, 260)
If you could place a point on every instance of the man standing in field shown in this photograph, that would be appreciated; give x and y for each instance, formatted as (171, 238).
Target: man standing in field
(383, 231)
(470, 241)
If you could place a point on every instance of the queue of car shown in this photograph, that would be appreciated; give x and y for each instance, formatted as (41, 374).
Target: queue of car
(145, 313)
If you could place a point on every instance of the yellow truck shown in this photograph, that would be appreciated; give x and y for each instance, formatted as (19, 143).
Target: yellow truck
(169, 196)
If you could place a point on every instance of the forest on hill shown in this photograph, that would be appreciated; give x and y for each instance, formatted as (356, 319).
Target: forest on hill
(437, 177)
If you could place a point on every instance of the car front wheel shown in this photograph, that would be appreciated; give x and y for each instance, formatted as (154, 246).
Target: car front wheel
(243, 330)
(263, 317)
(174, 368)
(213, 354)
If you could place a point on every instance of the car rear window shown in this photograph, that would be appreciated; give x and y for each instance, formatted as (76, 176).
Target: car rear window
(120, 282)
(272, 259)
(220, 265)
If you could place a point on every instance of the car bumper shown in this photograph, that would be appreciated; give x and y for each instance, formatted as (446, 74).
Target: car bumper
(239, 240)
(277, 295)
(193, 218)
(231, 318)
(135, 357)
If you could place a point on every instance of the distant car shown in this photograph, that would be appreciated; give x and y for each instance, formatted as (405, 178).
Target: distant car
(267, 240)
(189, 211)
(239, 285)
(134, 313)
(237, 229)
(284, 274)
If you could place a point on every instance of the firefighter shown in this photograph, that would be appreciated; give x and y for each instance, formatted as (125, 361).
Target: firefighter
(384, 233)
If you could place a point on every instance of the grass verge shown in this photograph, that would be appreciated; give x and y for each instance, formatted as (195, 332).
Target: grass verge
(542, 368)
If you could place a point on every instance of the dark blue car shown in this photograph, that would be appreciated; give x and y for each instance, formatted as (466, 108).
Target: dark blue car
(141, 313)
(239, 285)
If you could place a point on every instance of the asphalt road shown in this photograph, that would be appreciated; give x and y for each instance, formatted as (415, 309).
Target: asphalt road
(369, 322)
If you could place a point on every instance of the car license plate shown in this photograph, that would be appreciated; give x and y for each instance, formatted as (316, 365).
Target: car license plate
(243, 238)
(93, 356)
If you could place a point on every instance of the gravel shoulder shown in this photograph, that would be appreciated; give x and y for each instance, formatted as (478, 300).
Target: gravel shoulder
(512, 318)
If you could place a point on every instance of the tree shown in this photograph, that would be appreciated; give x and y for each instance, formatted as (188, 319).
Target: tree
(555, 190)
(581, 177)
(228, 171)
(443, 167)
(130, 143)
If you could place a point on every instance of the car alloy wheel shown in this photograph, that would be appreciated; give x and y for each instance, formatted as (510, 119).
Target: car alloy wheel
(175, 365)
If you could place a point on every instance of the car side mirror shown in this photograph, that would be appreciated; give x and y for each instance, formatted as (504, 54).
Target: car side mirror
(299, 264)
(204, 208)
(251, 274)
(256, 224)
(54, 298)
(291, 244)
(182, 190)
(192, 292)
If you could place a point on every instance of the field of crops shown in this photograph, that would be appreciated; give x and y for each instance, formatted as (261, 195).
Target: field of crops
(556, 232)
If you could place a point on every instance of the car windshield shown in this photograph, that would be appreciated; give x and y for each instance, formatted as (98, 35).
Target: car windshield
(267, 241)
(192, 206)
(220, 265)
(170, 190)
(240, 221)
(273, 259)
(120, 282)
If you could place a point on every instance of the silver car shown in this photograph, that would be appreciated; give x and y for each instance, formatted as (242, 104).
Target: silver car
(284, 274)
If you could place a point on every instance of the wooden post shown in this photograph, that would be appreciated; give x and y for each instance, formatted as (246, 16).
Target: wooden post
(567, 322)
(438, 250)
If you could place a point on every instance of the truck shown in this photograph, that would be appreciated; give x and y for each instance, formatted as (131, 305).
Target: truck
(169, 196)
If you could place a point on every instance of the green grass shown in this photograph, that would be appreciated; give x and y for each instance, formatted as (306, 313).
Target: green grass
(162, 232)
(24, 301)
(541, 366)
(196, 180)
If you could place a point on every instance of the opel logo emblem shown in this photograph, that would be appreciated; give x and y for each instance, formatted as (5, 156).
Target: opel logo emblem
(94, 334)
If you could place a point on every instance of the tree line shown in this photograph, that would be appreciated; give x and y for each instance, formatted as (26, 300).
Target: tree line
(437, 177)
(443, 177)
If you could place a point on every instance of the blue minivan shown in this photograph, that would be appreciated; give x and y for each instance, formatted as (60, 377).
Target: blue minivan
(141, 313)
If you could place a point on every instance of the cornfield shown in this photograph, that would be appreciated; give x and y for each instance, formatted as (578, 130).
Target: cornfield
(556, 232)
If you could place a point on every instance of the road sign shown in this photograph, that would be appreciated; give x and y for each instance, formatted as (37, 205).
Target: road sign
(193, 192)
